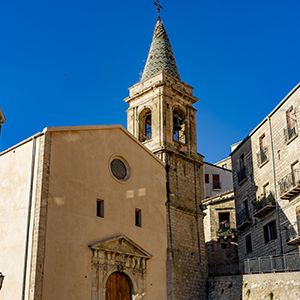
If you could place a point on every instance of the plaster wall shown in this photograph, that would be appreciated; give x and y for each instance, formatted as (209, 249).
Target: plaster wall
(16, 218)
(79, 175)
(225, 180)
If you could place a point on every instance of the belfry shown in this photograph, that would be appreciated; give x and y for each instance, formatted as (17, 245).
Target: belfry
(161, 116)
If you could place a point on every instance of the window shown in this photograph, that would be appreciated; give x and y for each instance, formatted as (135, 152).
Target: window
(206, 178)
(262, 142)
(119, 169)
(242, 169)
(145, 125)
(216, 182)
(246, 208)
(179, 126)
(262, 155)
(270, 231)
(295, 172)
(138, 217)
(248, 243)
(290, 131)
(224, 166)
(100, 208)
(224, 221)
(266, 189)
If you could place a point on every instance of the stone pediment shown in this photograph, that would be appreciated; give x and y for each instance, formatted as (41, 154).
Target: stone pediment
(121, 245)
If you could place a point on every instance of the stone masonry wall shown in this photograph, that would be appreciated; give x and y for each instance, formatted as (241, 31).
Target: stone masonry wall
(225, 287)
(272, 286)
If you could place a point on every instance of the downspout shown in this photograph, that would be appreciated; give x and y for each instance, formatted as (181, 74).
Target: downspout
(275, 186)
(33, 156)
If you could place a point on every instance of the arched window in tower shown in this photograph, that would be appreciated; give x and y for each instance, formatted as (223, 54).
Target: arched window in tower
(179, 126)
(145, 125)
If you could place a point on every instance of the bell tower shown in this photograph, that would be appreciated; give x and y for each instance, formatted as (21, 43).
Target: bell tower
(162, 117)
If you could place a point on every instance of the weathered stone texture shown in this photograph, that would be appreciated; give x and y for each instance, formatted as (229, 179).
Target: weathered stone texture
(275, 286)
(225, 287)
(280, 155)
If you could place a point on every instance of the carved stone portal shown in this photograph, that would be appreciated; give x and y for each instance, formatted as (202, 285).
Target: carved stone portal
(118, 254)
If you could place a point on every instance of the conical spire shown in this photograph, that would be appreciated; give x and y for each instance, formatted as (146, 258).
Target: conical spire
(160, 57)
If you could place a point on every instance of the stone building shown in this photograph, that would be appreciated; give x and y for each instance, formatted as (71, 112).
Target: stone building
(266, 177)
(217, 180)
(162, 117)
(219, 220)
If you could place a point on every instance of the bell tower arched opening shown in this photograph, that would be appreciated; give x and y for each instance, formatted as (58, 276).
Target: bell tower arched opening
(179, 126)
(145, 125)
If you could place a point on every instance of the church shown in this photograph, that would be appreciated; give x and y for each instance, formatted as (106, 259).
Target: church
(101, 212)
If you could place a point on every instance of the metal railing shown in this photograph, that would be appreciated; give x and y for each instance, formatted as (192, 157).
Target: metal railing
(290, 133)
(241, 174)
(243, 217)
(292, 231)
(262, 156)
(289, 181)
(263, 202)
(276, 263)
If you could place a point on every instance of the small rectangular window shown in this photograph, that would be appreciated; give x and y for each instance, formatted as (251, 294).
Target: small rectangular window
(262, 142)
(266, 189)
(270, 232)
(100, 208)
(248, 244)
(138, 217)
(206, 178)
(224, 220)
(216, 181)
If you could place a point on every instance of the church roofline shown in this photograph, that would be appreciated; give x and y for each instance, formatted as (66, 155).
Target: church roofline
(82, 128)
(102, 127)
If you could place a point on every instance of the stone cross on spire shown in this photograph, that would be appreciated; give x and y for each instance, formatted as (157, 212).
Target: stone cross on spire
(158, 7)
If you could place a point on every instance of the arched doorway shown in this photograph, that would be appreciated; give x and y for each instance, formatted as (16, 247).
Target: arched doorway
(118, 287)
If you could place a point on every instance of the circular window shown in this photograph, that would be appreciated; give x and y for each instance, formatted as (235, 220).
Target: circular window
(119, 169)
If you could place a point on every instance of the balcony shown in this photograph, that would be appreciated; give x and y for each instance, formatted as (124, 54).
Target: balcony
(263, 206)
(241, 175)
(226, 234)
(290, 134)
(290, 185)
(293, 236)
(262, 157)
(243, 219)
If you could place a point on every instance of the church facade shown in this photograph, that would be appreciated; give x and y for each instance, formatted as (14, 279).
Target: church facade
(79, 218)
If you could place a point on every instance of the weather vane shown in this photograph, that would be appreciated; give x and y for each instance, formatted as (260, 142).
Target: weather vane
(158, 7)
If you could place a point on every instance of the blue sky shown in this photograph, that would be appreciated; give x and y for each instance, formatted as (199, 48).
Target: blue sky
(71, 62)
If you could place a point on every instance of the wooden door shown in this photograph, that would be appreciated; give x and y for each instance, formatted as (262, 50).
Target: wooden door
(118, 287)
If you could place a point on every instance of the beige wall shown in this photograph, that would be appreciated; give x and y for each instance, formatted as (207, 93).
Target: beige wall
(225, 180)
(16, 168)
(79, 174)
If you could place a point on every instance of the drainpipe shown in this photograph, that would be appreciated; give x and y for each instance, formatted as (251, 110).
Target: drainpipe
(33, 155)
(277, 207)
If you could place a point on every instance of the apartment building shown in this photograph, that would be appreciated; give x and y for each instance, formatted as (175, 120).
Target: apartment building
(266, 179)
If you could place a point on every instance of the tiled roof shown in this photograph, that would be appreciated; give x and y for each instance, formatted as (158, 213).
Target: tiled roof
(160, 57)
